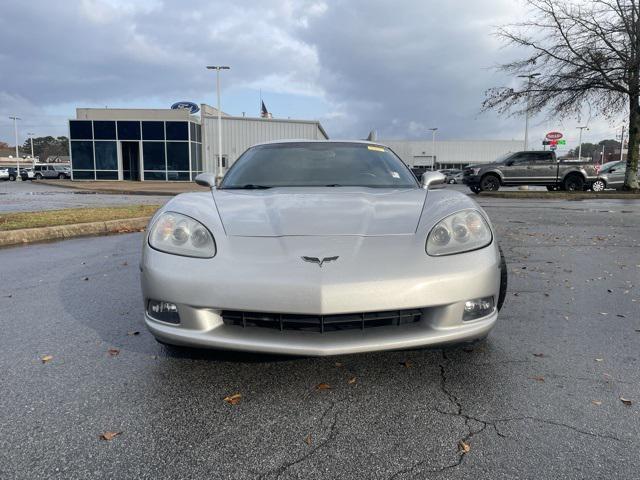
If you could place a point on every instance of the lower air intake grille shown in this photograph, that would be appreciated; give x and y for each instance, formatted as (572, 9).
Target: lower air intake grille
(321, 323)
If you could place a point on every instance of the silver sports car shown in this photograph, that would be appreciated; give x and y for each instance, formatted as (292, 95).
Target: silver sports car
(321, 248)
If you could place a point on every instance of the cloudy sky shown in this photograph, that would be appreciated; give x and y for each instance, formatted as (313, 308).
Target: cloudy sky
(397, 66)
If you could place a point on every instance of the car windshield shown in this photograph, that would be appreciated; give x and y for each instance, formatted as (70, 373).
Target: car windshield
(311, 164)
(609, 165)
(503, 158)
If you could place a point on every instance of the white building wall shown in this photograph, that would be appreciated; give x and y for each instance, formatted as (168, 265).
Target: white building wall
(463, 152)
(239, 133)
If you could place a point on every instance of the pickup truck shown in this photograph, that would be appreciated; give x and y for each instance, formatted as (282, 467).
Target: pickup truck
(530, 168)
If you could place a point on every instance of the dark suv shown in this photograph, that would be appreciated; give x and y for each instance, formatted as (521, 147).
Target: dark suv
(530, 168)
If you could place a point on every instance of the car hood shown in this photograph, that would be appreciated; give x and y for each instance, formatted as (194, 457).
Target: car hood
(320, 211)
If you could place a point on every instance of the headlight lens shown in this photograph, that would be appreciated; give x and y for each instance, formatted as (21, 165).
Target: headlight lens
(181, 235)
(461, 232)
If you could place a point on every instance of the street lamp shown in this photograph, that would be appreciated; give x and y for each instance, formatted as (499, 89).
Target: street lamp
(580, 142)
(433, 146)
(31, 134)
(15, 130)
(526, 121)
(217, 68)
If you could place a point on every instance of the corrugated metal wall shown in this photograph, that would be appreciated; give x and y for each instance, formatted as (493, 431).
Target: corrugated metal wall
(453, 151)
(239, 133)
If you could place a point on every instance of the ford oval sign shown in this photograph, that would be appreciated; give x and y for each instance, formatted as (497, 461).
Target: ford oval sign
(192, 107)
(554, 136)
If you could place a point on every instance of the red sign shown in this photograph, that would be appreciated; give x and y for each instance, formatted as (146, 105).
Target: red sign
(554, 135)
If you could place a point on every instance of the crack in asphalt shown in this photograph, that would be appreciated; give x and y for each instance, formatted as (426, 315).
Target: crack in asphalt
(493, 423)
(279, 471)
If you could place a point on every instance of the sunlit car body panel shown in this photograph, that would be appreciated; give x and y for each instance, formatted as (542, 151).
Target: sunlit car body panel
(381, 266)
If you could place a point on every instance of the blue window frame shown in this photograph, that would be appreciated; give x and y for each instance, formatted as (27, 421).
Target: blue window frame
(82, 155)
(177, 155)
(153, 154)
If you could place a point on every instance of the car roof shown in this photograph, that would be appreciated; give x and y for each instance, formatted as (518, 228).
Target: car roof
(306, 140)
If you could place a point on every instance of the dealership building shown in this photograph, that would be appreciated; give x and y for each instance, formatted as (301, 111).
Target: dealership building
(168, 144)
(176, 144)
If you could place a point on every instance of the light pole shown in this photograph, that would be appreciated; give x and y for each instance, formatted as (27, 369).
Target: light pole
(31, 139)
(531, 76)
(622, 143)
(433, 146)
(580, 142)
(15, 131)
(217, 68)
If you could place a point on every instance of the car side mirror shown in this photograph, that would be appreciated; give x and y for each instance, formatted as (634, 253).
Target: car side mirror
(612, 170)
(206, 180)
(432, 178)
(509, 163)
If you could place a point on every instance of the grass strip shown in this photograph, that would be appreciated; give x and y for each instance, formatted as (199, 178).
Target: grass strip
(50, 218)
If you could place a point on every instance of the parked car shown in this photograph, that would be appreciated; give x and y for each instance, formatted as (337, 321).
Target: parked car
(12, 174)
(4, 174)
(51, 171)
(454, 177)
(610, 175)
(530, 168)
(321, 248)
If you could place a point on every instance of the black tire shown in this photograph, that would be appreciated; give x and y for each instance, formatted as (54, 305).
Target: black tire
(574, 183)
(38, 176)
(503, 280)
(12, 178)
(553, 188)
(598, 186)
(62, 176)
(490, 183)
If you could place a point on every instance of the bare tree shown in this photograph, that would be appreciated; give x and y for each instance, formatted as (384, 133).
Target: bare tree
(588, 52)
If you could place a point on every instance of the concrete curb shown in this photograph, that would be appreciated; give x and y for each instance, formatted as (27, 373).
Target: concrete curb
(111, 190)
(560, 195)
(59, 232)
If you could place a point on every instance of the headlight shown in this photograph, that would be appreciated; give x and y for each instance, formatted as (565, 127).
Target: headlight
(461, 232)
(181, 235)
(475, 171)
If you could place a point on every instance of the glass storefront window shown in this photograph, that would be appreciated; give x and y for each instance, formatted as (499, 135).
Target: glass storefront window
(177, 131)
(153, 130)
(104, 130)
(106, 156)
(105, 175)
(153, 155)
(80, 130)
(177, 155)
(82, 155)
(128, 130)
(178, 176)
(83, 175)
(155, 175)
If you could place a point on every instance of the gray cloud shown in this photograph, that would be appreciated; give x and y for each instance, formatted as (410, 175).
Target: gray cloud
(399, 67)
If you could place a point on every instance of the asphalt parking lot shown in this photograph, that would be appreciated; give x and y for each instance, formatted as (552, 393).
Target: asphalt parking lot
(540, 399)
(33, 196)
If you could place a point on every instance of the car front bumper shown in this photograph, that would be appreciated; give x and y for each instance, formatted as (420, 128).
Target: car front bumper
(203, 288)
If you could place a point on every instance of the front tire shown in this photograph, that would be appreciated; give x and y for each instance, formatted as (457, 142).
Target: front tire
(61, 176)
(503, 280)
(12, 178)
(38, 176)
(598, 186)
(490, 183)
(574, 183)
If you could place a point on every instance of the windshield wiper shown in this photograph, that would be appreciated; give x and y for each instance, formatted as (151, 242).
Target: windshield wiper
(249, 186)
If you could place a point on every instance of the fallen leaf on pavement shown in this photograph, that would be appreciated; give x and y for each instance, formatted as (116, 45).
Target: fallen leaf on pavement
(108, 436)
(539, 355)
(619, 315)
(596, 402)
(323, 386)
(113, 352)
(406, 364)
(599, 359)
(537, 379)
(124, 264)
(133, 333)
(233, 399)
(352, 380)
(464, 446)
(307, 439)
(46, 358)
(626, 401)
(86, 278)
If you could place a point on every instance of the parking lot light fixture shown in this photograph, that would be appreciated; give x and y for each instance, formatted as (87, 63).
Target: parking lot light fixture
(580, 142)
(433, 146)
(15, 131)
(217, 68)
(531, 76)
